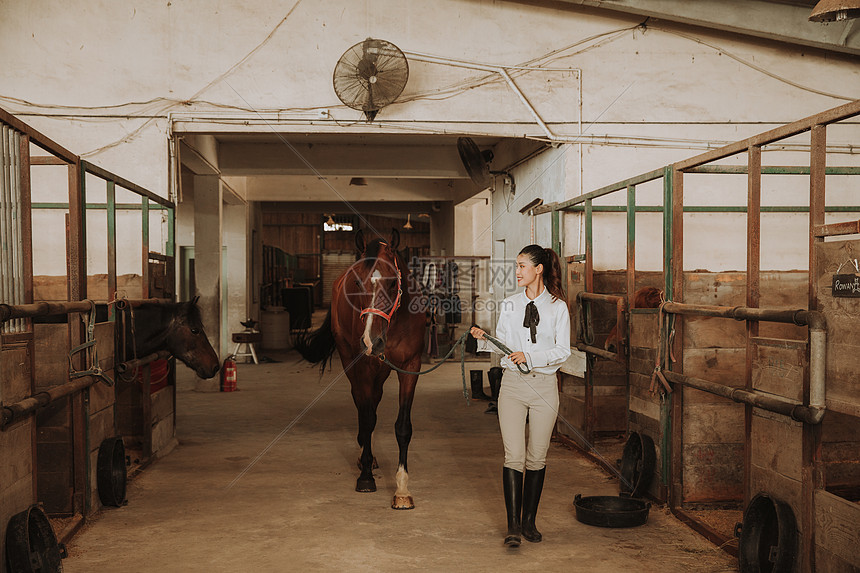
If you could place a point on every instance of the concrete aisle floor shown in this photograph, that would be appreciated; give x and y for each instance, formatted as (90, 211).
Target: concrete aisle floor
(263, 480)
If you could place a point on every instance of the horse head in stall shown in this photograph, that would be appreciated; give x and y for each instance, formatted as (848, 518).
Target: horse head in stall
(372, 319)
(645, 297)
(176, 328)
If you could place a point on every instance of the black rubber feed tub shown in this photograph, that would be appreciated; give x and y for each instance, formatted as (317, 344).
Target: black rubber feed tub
(637, 465)
(767, 538)
(111, 474)
(611, 511)
(31, 545)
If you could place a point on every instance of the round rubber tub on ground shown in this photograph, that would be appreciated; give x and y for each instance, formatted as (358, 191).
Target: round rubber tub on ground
(637, 465)
(31, 545)
(111, 473)
(611, 511)
(767, 538)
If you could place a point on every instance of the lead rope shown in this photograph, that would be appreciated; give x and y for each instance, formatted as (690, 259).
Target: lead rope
(664, 340)
(460, 341)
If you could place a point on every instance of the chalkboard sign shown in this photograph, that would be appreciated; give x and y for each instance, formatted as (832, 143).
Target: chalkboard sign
(846, 286)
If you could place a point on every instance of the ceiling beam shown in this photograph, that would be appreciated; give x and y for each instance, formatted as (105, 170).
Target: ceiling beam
(338, 189)
(346, 160)
(363, 207)
(784, 22)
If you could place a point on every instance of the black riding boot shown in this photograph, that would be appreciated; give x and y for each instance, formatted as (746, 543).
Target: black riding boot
(494, 375)
(512, 480)
(477, 379)
(532, 487)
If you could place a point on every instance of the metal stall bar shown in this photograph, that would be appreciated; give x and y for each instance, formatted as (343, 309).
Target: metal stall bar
(806, 124)
(124, 183)
(144, 277)
(753, 296)
(812, 467)
(129, 365)
(772, 170)
(817, 344)
(631, 243)
(620, 310)
(110, 197)
(673, 413)
(564, 205)
(12, 412)
(5, 225)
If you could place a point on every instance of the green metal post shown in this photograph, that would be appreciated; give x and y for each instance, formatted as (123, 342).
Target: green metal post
(111, 247)
(665, 410)
(144, 218)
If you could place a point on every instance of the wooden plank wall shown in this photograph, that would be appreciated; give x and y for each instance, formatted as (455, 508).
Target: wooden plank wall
(645, 411)
(837, 510)
(713, 427)
(17, 486)
(101, 408)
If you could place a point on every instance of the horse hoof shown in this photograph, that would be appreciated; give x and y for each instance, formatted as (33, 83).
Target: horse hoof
(402, 502)
(365, 485)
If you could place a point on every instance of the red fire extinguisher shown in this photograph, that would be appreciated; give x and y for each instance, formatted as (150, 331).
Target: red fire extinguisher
(229, 374)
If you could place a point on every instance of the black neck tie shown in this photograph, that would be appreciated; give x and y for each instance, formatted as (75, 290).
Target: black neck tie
(531, 320)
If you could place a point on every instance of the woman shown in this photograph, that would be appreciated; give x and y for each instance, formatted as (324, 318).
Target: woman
(535, 325)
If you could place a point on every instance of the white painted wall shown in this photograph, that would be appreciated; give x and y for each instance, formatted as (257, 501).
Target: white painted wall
(104, 78)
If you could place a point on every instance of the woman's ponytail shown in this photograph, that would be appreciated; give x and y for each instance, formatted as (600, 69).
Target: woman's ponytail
(552, 275)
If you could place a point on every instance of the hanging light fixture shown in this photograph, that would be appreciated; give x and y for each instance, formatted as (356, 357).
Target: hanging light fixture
(330, 221)
(408, 224)
(835, 10)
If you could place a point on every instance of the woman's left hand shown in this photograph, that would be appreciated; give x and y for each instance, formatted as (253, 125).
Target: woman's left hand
(517, 357)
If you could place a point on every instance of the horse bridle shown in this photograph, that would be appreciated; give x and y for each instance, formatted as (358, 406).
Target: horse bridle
(376, 311)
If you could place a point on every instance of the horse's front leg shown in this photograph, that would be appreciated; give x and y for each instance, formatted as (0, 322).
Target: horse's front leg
(403, 431)
(366, 404)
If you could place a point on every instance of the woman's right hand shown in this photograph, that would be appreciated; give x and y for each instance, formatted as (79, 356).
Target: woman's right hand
(477, 333)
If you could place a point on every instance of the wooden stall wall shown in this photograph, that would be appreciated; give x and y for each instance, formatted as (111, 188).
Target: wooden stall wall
(715, 349)
(17, 441)
(101, 406)
(836, 507)
(56, 423)
(646, 412)
(571, 407)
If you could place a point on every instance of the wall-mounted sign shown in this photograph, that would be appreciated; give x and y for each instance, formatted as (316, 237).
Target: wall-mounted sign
(846, 285)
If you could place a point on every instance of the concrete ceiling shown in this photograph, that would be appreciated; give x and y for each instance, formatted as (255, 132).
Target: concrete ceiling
(384, 173)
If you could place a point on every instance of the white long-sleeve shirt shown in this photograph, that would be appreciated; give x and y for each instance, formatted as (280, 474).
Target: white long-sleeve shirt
(552, 346)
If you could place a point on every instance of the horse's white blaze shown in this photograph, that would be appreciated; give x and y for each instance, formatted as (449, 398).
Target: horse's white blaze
(368, 344)
(401, 478)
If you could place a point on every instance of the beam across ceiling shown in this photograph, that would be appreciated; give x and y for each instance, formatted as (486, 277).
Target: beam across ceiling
(774, 20)
(343, 159)
(338, 189)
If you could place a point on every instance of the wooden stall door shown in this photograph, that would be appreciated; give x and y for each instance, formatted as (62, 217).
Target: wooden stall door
(836, 507)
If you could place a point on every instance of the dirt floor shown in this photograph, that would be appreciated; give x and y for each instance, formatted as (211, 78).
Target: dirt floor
(263, 480)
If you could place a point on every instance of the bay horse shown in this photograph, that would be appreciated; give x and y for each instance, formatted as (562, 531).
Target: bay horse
(645, 297)
(174, 327)
(372, 316)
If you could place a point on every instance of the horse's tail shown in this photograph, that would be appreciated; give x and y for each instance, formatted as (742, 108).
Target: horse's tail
(318, 346)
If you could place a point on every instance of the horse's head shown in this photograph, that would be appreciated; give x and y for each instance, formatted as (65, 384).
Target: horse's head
(187, 341)
(375, 286)
(645, 297)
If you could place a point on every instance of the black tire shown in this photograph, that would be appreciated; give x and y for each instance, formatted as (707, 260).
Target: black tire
(111, 472)
(768, 536)
(31, 545)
